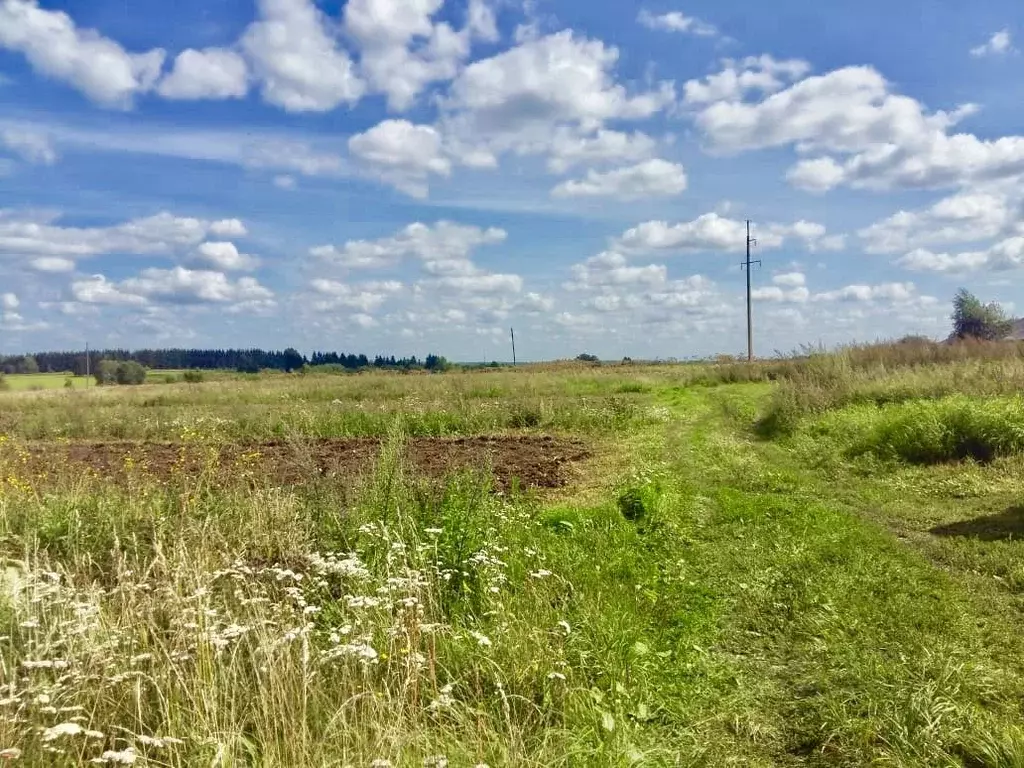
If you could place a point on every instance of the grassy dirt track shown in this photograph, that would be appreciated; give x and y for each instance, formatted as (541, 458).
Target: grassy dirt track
(700, 593)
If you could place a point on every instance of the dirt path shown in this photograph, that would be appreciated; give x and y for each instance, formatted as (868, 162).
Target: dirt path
(535, 461)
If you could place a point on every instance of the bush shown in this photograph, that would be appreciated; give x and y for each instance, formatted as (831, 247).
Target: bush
(130, 372)
(588, 358)
(119, 372)
(193, 376)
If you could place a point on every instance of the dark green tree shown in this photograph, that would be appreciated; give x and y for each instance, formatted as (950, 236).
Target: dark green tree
(974, 320)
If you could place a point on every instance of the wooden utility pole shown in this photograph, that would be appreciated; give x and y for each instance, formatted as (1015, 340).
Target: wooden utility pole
(750, 317)
(512, 331)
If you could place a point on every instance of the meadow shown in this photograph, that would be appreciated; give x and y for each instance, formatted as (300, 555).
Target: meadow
(809, 561)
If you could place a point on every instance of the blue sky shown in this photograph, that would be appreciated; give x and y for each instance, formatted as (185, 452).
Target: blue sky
(407, 176)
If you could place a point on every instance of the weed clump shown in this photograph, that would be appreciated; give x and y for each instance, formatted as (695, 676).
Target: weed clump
(952, 429)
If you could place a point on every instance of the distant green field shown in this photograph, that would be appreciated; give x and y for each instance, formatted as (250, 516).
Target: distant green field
(19, 382)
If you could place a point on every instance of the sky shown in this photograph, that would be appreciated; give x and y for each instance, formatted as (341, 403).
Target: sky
(414, 176)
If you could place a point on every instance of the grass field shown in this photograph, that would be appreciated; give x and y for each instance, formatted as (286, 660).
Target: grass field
(809, 562)
(20, 382)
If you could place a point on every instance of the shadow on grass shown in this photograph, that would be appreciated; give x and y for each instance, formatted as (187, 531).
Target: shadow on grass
(1008, 524)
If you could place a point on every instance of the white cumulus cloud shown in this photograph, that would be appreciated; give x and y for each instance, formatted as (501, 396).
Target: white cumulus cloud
(213, 73)
(651, 178)
(95, 65)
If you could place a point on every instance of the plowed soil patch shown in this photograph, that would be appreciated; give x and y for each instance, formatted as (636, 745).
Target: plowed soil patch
(533, 461)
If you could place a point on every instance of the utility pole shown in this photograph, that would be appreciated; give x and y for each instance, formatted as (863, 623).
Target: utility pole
(750, 318)
(513, 332)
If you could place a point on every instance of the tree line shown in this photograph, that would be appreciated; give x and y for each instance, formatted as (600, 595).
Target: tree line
(242, 360)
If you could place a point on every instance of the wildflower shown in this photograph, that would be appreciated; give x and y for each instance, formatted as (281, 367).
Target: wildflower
(541, 574)
(11, 753)
(63, 729)
(565, 626)
(444, 699)
(434, 531)
(362, 601)
(437, 761)
(556, 676)
(45, 664)
(482, 640)
(124, 757)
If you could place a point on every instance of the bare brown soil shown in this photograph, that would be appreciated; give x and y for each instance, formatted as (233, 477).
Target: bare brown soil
(532, 461)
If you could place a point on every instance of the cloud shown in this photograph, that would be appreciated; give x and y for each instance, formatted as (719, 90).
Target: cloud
(52, 264)
(998, 45)
(98, 290)
(445, 246)
(790, 279)
(212, 73)
(967, 216)
(1007, 254)
(250, 148)
(884, 140)
(402, 50)
(32, 146)
(228, 228)
(570, 148)
(223, 255)
(737, 78)
(611, 269)
(651, 178)
(887, 292)
(171, 286)
(480, 282)
(402, 154)
(94, 65)
(674, 21)
(366, 297)
(9, 301)
(298, 60)
(29, 236)
(520, 99)
(711, 232)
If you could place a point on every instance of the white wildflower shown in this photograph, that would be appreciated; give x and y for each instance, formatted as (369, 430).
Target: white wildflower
(10, 753)
(45, 664)
(62, 729)
(565, 626)
(362, 601)
(437, 761)
(541, 574)
(482, 640)
(556, 676)
(124, 757)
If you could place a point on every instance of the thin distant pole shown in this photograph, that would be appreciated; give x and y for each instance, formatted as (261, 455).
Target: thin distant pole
(750, 316)
(512, 331)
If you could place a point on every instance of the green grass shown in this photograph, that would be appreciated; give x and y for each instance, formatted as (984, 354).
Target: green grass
(700, 597)
(20, 382)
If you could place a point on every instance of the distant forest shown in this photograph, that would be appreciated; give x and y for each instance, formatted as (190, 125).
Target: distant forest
(243, 360)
